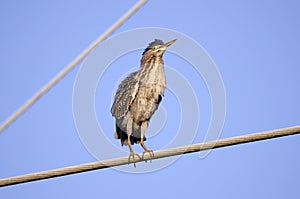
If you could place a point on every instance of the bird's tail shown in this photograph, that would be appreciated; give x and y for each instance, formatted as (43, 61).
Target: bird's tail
(135, 138)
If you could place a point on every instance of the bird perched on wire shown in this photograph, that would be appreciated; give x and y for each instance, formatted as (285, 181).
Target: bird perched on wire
(138, 97)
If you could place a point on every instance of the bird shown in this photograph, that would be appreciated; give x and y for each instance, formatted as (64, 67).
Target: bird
(138, 97)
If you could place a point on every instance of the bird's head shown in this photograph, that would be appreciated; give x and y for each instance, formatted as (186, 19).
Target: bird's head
(157, 47)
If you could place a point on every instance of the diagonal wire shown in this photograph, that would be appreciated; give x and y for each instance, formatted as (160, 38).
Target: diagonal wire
(157, 154)
(69, 67)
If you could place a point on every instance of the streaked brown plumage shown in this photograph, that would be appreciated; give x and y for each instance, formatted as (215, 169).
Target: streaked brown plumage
(138, 97)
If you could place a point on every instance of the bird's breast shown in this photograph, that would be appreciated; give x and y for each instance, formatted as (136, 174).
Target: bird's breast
(146, 102)
(152, 74)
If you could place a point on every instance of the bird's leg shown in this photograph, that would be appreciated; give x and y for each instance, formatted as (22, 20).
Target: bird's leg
(129, 131)
(132, 154)
(143, 130)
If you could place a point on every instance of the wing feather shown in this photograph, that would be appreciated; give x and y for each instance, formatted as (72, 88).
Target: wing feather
(125, 95)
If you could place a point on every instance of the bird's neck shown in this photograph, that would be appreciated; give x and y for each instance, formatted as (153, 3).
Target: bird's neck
(152, 72)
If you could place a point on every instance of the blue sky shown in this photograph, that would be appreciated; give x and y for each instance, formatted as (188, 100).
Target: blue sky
(255, 47)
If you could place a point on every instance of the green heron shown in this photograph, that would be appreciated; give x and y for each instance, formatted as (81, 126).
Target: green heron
(138, 97)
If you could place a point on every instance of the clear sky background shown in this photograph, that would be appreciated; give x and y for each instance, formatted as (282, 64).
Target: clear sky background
(255, 45)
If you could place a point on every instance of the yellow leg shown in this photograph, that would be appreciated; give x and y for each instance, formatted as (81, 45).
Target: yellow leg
(132, 154)
(143, 130)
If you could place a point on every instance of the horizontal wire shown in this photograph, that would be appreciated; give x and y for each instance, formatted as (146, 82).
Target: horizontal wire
(157, 154)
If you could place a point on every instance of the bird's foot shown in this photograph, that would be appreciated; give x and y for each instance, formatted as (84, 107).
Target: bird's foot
(132, 155)
(151, 154)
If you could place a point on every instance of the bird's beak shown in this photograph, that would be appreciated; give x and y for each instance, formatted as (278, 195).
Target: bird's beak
(169, 43)
(166, 45)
